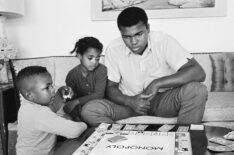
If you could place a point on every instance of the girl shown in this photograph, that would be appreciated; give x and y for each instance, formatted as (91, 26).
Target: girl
(88, 79)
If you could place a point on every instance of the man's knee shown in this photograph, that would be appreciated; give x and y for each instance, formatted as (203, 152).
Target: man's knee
(195, 90)
(94, 111)
(94, 106)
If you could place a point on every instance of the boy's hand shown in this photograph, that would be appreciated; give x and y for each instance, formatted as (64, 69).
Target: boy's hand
(66, 93)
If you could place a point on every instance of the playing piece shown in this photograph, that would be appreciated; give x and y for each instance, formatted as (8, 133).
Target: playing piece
(67, 96)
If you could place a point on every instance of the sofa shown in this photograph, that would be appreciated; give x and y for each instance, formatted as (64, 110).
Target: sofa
(219, 68)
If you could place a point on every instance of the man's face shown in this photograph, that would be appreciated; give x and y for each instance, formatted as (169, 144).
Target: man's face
(43, 91)
(135, 37)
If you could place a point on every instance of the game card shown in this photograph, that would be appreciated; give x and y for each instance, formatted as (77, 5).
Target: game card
(230, 135)
(196, 127)
(221, 141)
(183, 129)
(219, 148)
(117, 138)
(103, 126)
(166, 128)
(129, 127)
(116, 126)
(141, 127)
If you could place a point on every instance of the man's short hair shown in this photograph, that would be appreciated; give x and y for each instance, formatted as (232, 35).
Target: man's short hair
(29, 72)
(132, 16)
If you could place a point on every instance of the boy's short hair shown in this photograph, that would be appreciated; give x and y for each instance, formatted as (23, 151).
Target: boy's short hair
(27, 73)
(132, 16)
(87, 42)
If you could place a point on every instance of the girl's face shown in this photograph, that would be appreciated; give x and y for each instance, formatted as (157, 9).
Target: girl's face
(90, 59)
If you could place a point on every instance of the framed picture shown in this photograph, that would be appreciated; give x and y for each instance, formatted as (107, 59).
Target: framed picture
(109, 9)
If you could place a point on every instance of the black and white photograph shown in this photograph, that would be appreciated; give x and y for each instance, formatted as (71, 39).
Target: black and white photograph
(116, 77)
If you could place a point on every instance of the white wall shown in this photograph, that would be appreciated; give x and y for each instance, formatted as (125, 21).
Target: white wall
(51, 27)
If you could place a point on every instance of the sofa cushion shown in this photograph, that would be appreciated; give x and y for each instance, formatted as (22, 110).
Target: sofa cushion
(62, 65)
(148, 120)
(18, 64)
(219, 107)
(223, 72)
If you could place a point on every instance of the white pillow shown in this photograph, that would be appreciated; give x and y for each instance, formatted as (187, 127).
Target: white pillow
(148, 120)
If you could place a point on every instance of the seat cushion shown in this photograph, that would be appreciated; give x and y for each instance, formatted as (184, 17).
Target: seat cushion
(219, 107)
(148, 120)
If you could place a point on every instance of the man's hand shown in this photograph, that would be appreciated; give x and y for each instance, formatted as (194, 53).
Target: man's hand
(140, 103)
(152, 89)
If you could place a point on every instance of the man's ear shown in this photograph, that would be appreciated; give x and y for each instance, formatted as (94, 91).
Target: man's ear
(148, 27)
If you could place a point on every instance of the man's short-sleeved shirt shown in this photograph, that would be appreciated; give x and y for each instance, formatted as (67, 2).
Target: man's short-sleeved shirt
(163, 56)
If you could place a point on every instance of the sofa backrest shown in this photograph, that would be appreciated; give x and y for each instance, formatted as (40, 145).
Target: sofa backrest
(219, 68)
(58, 66)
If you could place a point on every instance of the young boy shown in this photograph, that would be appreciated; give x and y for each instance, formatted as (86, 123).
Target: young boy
(38, 124)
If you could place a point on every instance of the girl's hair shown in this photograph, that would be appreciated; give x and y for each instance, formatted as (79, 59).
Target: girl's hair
(87, 42)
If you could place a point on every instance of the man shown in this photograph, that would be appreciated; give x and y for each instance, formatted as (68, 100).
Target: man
(149, 73)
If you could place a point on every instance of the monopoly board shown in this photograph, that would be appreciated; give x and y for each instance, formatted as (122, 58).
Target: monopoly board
(136, 142)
